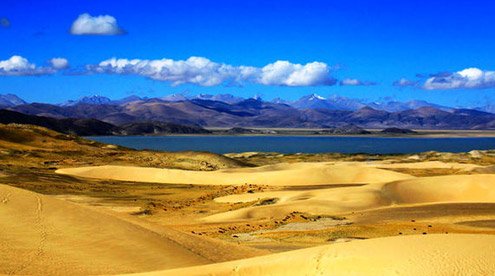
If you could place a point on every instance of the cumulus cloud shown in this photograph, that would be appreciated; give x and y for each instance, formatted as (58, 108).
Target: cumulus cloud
(204, 72)
(59, 63)
(403, 82)
(470, 78)
(86, 24)
(194, 70)
(284, 73)
(20, 66)
(356, 82)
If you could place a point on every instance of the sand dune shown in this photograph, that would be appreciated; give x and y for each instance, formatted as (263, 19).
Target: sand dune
(45, 236)
(447, 254)
(456, 189)
(276, 175)
(451, 188)
(322, 201)
(384, 187)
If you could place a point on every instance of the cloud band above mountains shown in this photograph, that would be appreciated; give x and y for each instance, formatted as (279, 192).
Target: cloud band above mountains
(204, 72)
(19, 66)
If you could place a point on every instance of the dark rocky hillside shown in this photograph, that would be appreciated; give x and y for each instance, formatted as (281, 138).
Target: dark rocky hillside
(89, 127)
(396, 130)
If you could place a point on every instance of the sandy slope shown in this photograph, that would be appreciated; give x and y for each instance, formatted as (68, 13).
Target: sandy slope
(276, 175)
(451, 188)
(455, 189)
(385, 188)
(42, 235)
(447, 254)
(318, 202)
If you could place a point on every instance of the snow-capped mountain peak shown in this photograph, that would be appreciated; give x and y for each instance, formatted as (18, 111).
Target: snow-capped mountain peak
(316, 97)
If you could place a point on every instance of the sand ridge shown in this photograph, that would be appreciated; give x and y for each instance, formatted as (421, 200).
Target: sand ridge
(439, 189)
(400, 255)
(321, 201)
(449, 188)
(285, 174)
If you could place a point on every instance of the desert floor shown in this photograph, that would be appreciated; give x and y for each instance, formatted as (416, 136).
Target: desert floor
(72, 206)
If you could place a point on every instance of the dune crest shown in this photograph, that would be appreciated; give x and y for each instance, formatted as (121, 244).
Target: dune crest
(322, 173)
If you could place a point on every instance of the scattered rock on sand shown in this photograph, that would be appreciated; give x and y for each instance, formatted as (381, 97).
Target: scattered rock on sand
(414, 157)
(110, 147)
(475, 154)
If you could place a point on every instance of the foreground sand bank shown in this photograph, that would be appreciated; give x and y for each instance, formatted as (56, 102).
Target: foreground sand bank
(41, 235)
(448, 254)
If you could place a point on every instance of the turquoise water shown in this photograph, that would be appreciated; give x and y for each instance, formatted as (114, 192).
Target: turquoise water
(295, 144)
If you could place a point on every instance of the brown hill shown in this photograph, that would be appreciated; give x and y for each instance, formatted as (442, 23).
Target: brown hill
(29, 146)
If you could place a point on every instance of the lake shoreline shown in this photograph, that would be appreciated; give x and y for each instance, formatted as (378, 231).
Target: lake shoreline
(311, 133)
(287, 144)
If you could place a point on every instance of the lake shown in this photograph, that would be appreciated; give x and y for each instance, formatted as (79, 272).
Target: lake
(295, 144)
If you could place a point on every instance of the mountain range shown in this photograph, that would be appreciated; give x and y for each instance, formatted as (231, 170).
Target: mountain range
(311, 111)
(312, 101)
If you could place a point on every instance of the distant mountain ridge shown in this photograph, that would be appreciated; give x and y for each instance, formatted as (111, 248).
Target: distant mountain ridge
(259, 113)
(311, 101)
(312, 111)
(10, 100)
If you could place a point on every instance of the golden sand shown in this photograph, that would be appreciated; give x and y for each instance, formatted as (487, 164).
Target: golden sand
(275, 175)
(447, 254)
(43, 235)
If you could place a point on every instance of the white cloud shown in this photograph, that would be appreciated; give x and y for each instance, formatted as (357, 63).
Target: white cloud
(59, 63)
(204, 72)
(20, 66)
(284, 73)
(469, 78)
(16, 64)
(356, 82)
(86, 24)
(194, 70)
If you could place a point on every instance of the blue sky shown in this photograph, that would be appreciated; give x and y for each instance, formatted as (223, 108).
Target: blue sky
(370, 42)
